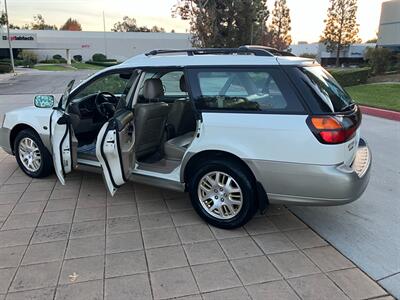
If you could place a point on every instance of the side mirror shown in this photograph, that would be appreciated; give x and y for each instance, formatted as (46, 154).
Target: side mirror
(44, 101)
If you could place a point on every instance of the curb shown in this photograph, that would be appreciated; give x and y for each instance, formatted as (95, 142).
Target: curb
(381, 113)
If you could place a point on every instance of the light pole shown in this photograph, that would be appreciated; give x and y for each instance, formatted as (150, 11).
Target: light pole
(8, 38)
(104, 34)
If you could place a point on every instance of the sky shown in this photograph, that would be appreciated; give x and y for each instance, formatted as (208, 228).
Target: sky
(307, 15)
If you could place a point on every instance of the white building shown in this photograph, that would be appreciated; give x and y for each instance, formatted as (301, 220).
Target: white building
(389, 25)
(118, 45)
(354, 54)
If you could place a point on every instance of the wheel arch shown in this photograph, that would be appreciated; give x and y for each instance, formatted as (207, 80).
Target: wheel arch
(17, 129)
(205, 155)
(199, 157)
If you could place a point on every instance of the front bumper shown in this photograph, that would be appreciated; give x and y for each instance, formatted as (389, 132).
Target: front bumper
(5, 139)
(305, 184)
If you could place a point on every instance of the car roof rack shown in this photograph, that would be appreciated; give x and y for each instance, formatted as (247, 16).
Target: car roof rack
(242, 50)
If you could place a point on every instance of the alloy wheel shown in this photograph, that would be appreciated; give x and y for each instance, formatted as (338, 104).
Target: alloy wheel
(29, 154)
(220, 195)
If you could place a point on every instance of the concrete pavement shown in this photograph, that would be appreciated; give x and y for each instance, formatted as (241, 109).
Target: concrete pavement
(367, 231)
(76, 242)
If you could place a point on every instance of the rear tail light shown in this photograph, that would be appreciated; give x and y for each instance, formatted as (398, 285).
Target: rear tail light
(335, 129)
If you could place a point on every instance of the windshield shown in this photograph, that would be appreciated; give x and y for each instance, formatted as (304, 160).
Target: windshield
(326, 89)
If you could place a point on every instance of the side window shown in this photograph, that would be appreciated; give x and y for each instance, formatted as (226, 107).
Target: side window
(171, 84)
(116, 84)
(263, 90)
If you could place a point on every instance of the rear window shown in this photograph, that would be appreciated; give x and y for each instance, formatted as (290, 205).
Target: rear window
(243, 90)
(330, 95)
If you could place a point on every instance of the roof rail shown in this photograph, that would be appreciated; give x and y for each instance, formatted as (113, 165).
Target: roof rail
(247, 49)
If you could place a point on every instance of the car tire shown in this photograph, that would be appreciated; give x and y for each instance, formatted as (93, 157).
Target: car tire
(30, 140)
(239, 178)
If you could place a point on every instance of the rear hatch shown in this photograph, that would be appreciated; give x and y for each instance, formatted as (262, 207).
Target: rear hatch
(335, 118)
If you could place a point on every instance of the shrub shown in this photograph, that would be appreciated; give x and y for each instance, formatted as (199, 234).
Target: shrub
(78, 58)
(57, 56)
(17, 62)
(378, 59)
(99, 57)
(102, 63)
(350, 77)
(49, 61)
(397, 64)
(308, 55)
(29, 58)
(5, 67)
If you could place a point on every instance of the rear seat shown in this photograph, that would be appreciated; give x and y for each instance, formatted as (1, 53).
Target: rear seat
(175, 148)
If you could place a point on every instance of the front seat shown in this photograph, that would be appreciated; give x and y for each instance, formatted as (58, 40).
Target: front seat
(150, 119)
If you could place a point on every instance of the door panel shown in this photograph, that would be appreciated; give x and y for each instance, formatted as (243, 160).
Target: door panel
(115, 149)
(64, 144)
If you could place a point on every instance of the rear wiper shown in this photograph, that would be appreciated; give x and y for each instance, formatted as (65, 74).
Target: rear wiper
(351, 105)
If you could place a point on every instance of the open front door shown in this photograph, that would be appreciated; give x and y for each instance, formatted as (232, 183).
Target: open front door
(64, 144)
(115, 149)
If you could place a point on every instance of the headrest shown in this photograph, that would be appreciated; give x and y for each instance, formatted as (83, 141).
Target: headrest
(153, 88)
(182, 84)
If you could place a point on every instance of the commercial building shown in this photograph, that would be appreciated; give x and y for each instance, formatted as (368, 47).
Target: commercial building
(117, 45)
(389, 26)
(352, 55)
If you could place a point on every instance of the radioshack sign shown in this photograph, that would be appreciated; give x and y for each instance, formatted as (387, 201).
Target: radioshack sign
(20, 37)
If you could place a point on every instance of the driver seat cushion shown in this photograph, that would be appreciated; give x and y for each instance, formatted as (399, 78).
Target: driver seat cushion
(175, 148)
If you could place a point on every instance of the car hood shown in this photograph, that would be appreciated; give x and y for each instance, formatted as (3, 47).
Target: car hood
(29, 115)
(31, 110)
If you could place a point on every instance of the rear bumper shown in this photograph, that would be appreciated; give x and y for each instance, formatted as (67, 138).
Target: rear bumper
(306, 184)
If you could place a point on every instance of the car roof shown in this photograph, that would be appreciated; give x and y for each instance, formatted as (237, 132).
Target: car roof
(175, 60)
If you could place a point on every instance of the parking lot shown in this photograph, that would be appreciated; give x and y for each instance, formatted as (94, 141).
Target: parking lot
(77, 242)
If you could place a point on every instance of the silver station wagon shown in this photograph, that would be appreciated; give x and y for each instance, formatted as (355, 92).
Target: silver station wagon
(237, 129)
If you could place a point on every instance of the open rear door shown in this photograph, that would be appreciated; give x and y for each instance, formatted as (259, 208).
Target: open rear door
(115, 149)
(64, 144)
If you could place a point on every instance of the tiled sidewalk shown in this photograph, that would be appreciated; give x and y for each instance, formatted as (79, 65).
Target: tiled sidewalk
(75, 242)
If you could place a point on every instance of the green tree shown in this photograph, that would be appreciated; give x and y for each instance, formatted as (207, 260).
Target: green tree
(40, 24)
(29, 58)
(157, 29)
(372, 41)
(3, 18)
(129, 25)
(378, 59)
(278, 35)
(71, 25)
(341, 28)
(223, 23)
(3, 21)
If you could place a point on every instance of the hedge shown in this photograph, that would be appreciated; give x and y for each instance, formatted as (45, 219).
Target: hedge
(78, 58)
(99, 57)
(5, 67)
(350, 77)
(102, 63)
(17, 62)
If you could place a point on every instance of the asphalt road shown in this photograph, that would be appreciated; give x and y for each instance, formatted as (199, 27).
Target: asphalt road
(366, 231)
(39, 82)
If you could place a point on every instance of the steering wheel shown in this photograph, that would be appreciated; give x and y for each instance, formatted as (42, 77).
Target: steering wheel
(105, 104)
